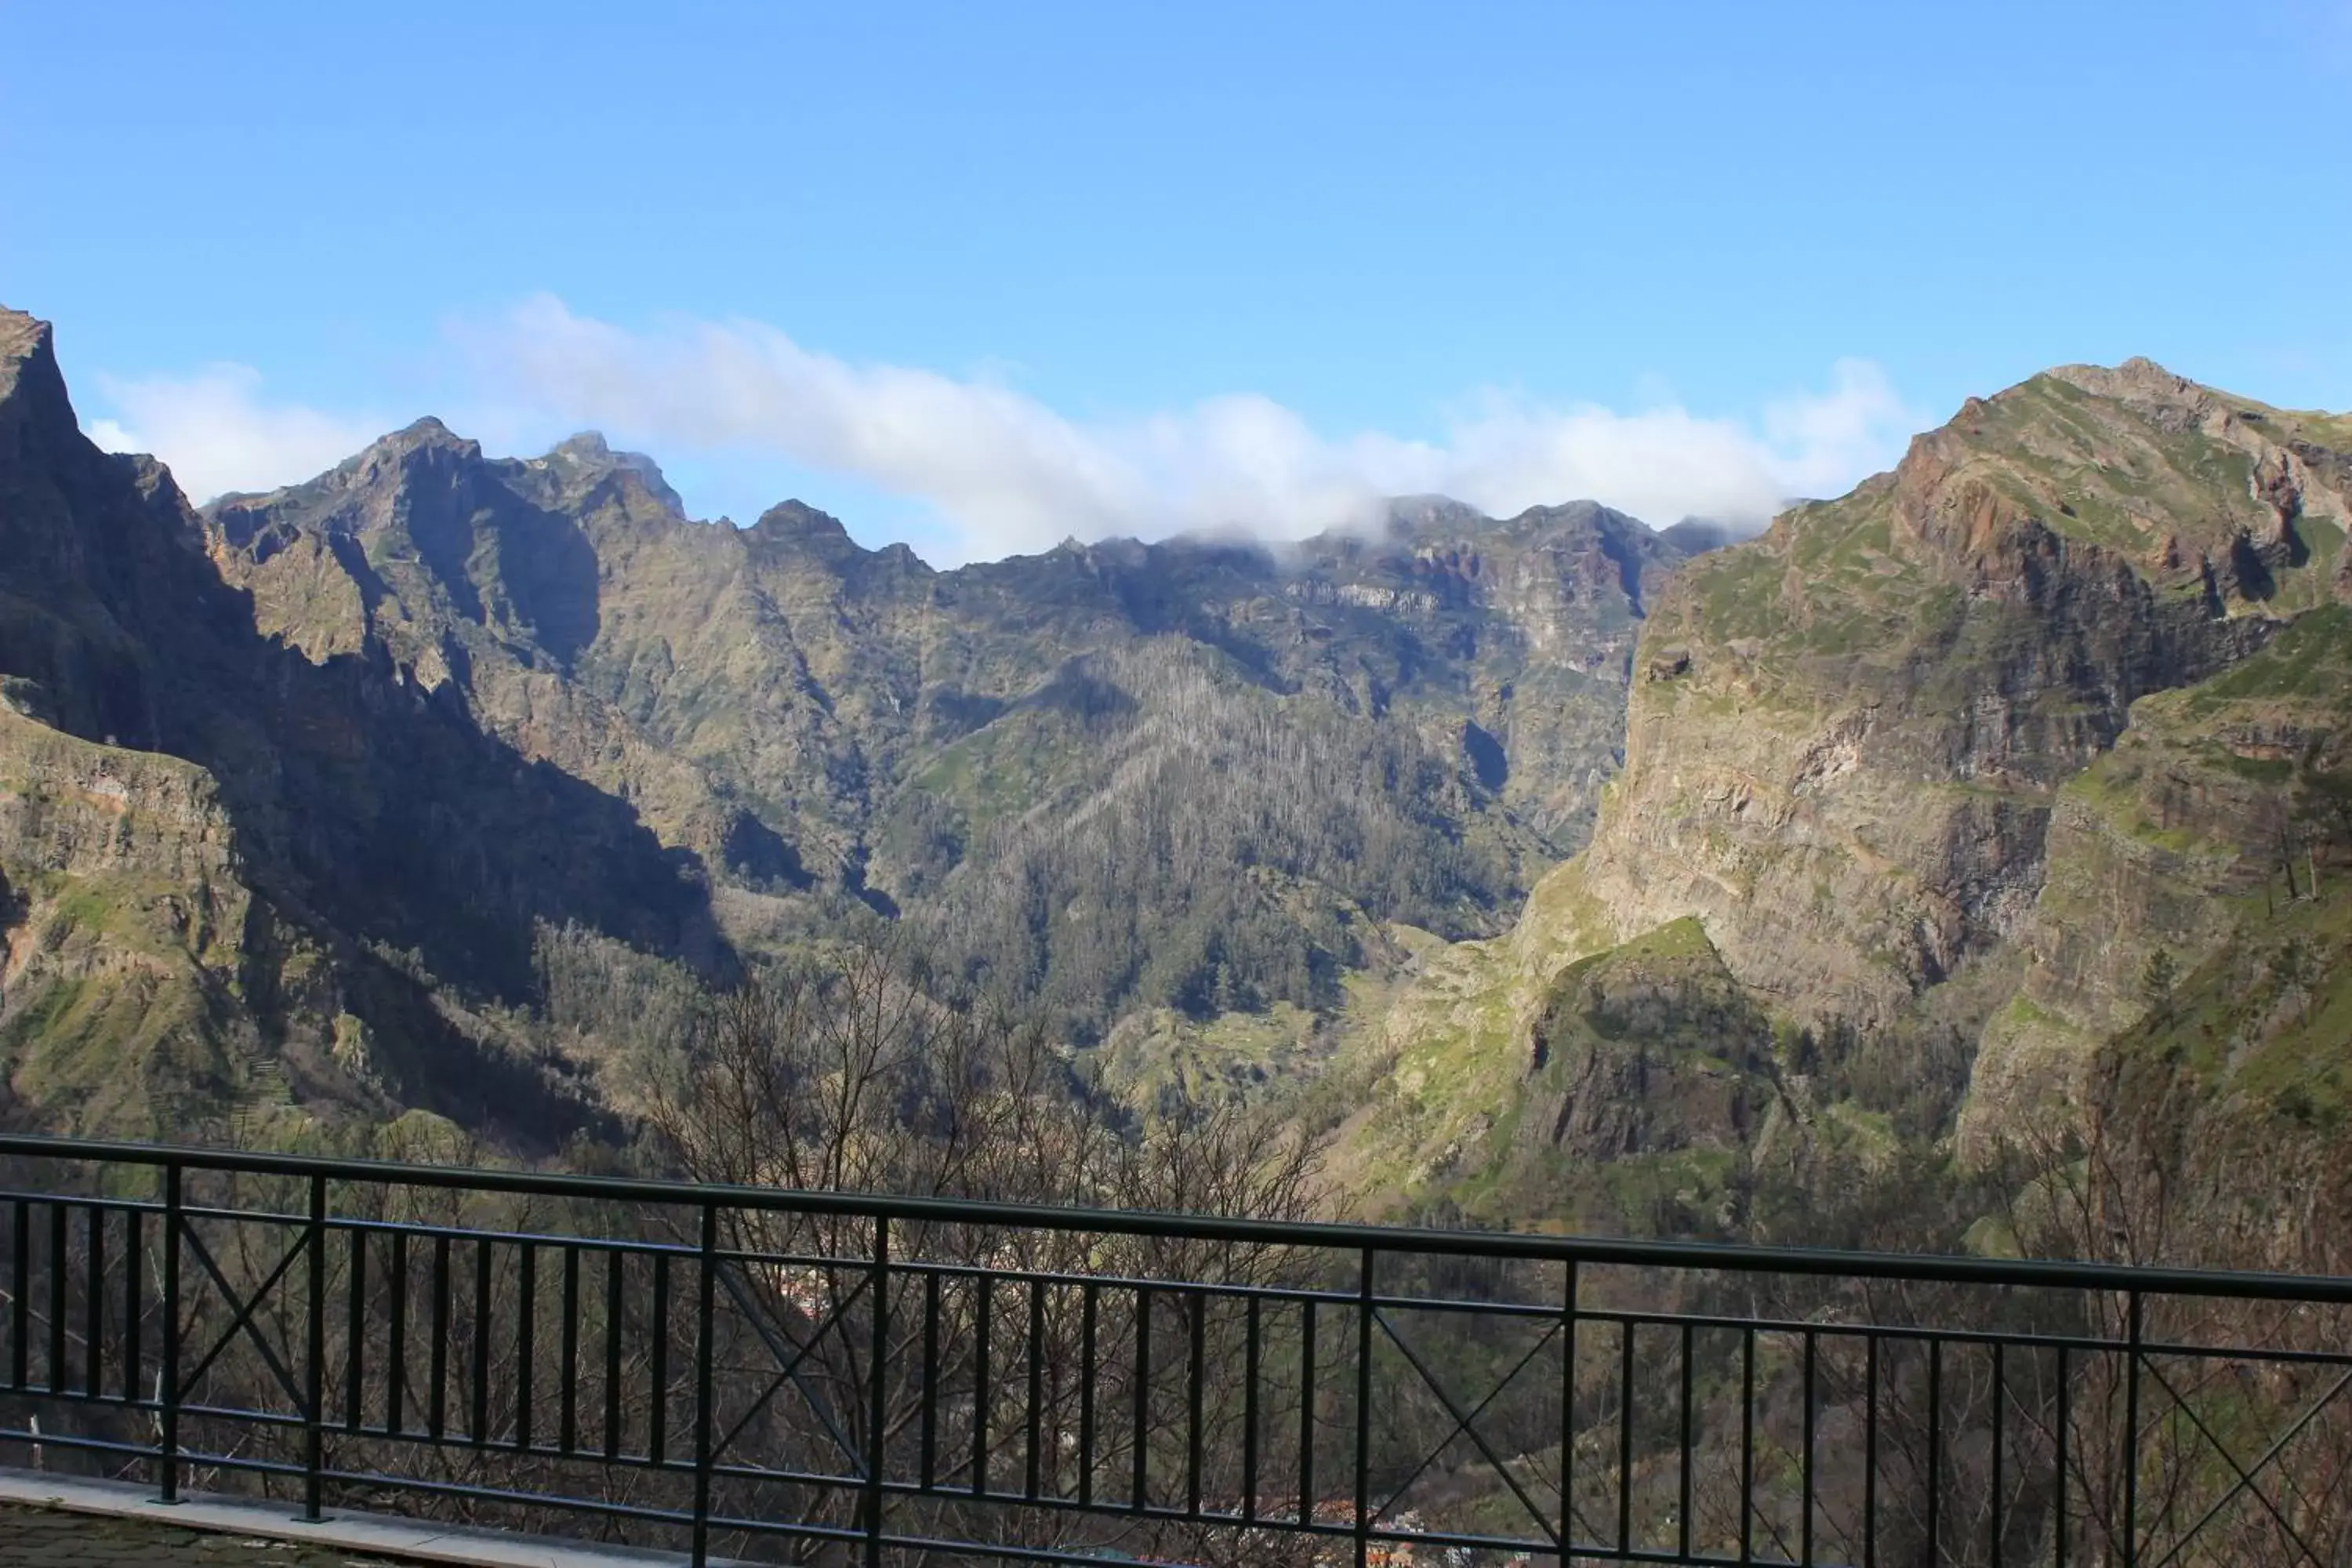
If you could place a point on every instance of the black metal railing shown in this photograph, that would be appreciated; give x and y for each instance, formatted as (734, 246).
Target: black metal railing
(791, 1376)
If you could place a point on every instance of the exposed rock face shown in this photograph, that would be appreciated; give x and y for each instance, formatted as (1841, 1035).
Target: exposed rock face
(214, 846)
(1849, 739)
(703, 672)
(1852, 782)
(804, 714)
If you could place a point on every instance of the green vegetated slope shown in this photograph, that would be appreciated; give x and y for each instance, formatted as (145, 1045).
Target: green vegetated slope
(2190, 998)
(2223, 810)
(2230, 1100)
(1856, 754)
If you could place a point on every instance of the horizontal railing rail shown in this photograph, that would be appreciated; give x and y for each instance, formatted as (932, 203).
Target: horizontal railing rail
(767, 1374)
(1520, 1245)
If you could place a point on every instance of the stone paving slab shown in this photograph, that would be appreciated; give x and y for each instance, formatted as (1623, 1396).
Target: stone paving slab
(50, 1521)
(35, 1537)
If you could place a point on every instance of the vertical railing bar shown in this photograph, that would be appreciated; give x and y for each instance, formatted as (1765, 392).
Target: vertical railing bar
(1624, 1436)
(1141, 1457)
(930, 1421)
(2000, 1386)
(314, 1377)
(1306, 1412)
(479, 1424)
(526, 1338)
(878, 1411)
(1363, 1456)
(567, 1394)
(1748, 1445)
(2131, 1429)
(135, 1264)
(614, 1261)
(436, 1409)
(1812, 1435)
(1036, 1430)
(2066, 1420)
(355, 1332)
(705, 1316)
(1568, 1408)
(983, 1302)
(167, 1443)
(1252, 1330)
(57, 1264)
(1689, 1442)
(1199, 1356)
(1089, 1310)
(396, 1367)
(20, 1316)
(1935, 1447)
(657, 1364)
(1870, 1453)
(93, 1306)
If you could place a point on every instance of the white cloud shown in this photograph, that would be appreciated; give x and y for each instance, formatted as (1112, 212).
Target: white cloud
(217, 434)
(1011, 474)
(1007, 473)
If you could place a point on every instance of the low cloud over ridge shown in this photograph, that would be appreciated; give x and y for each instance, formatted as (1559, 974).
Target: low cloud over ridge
(1011, 474)
(1007, 474)
(218, 434)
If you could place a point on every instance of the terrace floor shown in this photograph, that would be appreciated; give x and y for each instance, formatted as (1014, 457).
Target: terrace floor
(50, 1521)
(35, 1537)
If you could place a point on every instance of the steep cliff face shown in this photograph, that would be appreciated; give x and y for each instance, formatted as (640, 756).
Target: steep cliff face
(482, 579)
(1849, 773)
(230, 866)
(1846, 739)
(122, 925)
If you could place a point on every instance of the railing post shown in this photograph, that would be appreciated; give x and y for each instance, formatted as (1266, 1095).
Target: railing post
(314, 1389)
(877, 1413)
(2131, 1437)
(704, 1315)
(167, 1457)
(1567, 1413)
(1364, 1410)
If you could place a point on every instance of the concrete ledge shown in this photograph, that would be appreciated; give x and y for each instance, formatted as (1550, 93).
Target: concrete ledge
(376, 1535)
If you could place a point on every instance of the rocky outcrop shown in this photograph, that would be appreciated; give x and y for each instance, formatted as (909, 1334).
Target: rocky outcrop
(1649, 1048)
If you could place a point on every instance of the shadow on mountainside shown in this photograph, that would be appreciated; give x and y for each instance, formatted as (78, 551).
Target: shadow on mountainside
(370, 810)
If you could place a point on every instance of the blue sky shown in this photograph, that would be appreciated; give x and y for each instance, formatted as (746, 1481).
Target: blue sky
(982, 275)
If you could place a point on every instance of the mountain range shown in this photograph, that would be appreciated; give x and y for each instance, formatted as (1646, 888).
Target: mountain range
(1569, 871)
(1190, 778)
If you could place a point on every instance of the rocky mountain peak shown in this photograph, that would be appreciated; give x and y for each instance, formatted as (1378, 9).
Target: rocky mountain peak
(797, 522)
(587, 447)
(1411, 516)
(32, 389)
(21, 336)
(587, 457)
(422, 435)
